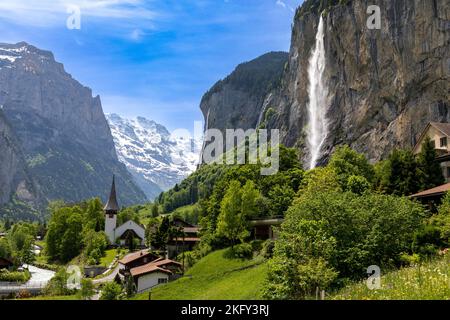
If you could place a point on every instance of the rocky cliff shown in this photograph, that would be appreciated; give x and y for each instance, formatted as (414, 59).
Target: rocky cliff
(384, 85)
(61, 128)
(237, 100)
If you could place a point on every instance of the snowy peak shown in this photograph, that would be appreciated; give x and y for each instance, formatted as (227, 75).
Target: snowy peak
(156, 158)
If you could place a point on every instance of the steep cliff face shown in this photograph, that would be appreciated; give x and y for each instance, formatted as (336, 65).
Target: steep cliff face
(384, 85)
(13, 170)
(237, 101)
(60, 127)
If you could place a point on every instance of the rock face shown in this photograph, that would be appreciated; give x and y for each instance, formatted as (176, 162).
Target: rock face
(15, 179)
(384, 85)
(237, 101)
(156, 159)
(61, 128)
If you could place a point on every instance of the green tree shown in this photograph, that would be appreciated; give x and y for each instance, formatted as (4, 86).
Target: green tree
(94, 217)
(5, 249)
(95, 244)
(231, 222)
(401, 176)
(429, 169)
(357, 184)
(111, 291)
(155, 211)
(346, 163)
(87, 289)
(249, 198)
(281, 197)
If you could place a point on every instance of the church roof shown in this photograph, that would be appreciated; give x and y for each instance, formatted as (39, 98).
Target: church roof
(112, 204)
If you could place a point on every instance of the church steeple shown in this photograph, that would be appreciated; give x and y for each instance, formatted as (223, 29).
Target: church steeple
(112, 207)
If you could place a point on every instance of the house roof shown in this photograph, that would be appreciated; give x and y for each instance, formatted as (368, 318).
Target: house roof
(442, 127)
(163, 262)
(154, 266)
(134, 256)
(112, 204)
(146, 269)
(439, 190)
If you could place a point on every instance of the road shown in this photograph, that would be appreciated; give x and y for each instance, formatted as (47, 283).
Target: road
(39, 279)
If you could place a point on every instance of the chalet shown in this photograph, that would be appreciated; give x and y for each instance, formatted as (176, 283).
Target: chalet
(187, 239)
(154, 273)
(439, 133)
(6, 263)
(136, 259)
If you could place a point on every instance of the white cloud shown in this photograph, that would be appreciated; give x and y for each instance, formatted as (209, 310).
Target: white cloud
(51, 12)
(284, 5)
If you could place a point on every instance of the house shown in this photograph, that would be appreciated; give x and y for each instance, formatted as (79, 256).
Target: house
(125, 233)
(432, 197)
(136, 259)
(439, 133)
(263, 229)
(186, 240)
(154, 273)
(6, 263)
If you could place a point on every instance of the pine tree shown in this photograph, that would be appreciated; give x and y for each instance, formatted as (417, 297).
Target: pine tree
(429, 169)
(402, 173)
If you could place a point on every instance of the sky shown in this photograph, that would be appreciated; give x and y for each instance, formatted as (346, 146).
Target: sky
(150, 58)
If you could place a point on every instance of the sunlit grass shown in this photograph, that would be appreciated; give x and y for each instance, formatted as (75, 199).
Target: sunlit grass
(428, 281)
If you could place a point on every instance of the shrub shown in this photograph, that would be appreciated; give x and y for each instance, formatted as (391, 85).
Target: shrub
(240, 251)
(427, 241)
(14, 276)
(111, 291)
(347, 231)
(256, 245)
(267, 248)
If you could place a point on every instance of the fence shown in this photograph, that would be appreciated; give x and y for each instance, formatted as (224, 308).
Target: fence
(13, 287)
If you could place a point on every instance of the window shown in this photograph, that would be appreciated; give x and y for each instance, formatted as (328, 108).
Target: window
(162, 280)
(443, 142)
(433, 143)
(448, 172)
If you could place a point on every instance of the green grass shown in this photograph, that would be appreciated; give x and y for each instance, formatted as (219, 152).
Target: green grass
(108, 257)
(429, 281)
(215, 278)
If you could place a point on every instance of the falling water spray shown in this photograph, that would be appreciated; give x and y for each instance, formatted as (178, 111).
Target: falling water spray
(318, 94)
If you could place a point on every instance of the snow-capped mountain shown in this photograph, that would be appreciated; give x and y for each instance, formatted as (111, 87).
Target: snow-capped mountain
(156, 159)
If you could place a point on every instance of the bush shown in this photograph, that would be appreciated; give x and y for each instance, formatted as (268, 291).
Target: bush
(240, 251)
(347, 231)
(427, 241)
(256, 245)
(267, 249)
(111, 291)
(14, 276)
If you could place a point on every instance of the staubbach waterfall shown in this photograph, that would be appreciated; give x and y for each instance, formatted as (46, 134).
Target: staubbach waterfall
(317, 93)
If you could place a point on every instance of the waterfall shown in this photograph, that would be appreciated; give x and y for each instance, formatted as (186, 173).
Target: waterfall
(317, 93)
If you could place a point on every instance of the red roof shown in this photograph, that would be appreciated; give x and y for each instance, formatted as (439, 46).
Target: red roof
(134, 256)
(154, 266)
(433, 191)
(148, 268)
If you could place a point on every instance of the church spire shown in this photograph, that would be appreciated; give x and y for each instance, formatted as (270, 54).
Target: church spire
(112, 206)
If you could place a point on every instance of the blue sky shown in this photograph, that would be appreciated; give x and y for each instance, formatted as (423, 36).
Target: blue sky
(151, 58)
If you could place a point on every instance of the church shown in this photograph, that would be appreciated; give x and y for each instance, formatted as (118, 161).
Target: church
(124, 234)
